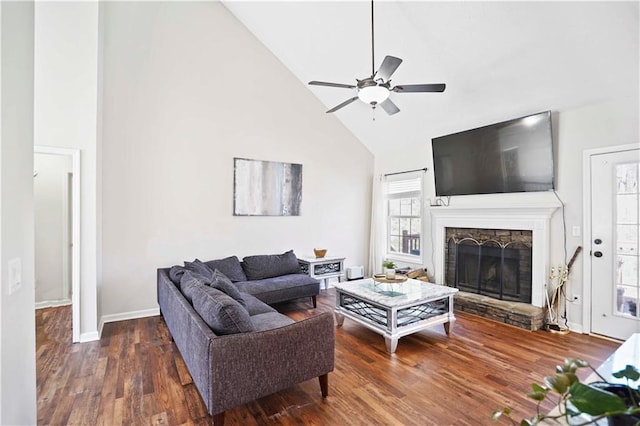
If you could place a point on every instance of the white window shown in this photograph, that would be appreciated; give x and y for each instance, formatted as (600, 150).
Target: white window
(403, 197)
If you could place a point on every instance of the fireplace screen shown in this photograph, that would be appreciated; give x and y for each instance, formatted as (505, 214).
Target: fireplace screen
(498, 269)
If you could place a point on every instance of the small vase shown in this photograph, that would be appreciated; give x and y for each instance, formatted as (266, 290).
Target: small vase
(390, 273)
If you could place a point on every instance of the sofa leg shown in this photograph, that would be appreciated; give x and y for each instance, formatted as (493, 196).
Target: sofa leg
(313, 299)
(324, 384)
(218, 419)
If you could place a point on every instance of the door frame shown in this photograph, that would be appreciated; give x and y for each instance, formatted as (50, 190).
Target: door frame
(586, 224)
(75, 230)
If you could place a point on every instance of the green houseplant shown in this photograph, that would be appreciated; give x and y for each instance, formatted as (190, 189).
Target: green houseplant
(388, 264)
(619, 403)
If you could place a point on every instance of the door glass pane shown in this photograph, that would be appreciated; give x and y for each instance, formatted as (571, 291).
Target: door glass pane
(627, 267)
(627, 239)
(627, 178)
(627, 226)
(627, 208)
(627, 300)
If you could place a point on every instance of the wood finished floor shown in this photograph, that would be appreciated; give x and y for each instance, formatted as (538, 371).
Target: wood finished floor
(135, 376)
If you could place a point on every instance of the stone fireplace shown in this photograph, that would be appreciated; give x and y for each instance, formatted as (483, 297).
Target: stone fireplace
(534, 221)
(491, 262)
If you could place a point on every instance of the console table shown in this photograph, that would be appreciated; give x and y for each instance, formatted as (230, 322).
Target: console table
(323, 268)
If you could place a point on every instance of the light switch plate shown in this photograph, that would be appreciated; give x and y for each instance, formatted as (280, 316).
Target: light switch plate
(575, 231)
(15, 274)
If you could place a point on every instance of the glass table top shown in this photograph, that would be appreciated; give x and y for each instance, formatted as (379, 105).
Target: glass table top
(395, 294)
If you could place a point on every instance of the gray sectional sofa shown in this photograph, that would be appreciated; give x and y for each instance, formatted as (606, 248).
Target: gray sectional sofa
(237, 347)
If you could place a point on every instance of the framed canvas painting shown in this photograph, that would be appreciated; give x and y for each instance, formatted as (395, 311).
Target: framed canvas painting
(266, 188)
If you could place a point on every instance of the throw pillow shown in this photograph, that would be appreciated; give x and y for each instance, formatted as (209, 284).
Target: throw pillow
(220, 282)
(230, 266)
(175, 273)
(270, 265)
(199, 267)
(221, 312)
(189, 283)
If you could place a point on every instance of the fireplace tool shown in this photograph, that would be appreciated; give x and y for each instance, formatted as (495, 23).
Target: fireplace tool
(560, 275)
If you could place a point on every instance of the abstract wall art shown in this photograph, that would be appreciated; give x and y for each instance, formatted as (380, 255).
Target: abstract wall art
(266, 188)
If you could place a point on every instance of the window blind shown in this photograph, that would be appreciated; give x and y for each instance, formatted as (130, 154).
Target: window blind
(409, 185)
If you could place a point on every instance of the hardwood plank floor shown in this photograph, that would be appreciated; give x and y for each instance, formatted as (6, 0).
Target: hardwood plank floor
(135, 376)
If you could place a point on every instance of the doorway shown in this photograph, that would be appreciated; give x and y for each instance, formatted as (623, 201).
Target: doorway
(58, 251)
(612, 234)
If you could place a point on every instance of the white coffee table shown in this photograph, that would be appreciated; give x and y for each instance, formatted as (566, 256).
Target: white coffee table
(395, 310)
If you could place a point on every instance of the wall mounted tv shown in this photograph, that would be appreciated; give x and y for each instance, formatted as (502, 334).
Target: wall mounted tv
(512, 156)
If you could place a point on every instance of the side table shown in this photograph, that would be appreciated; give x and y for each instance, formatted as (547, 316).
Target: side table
(323, 268)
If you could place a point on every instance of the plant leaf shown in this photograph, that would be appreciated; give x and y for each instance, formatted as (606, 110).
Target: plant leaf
(559, 383)
(537, 396)
(594, 401)
(537, 388)
(572, 378)
(630, 372)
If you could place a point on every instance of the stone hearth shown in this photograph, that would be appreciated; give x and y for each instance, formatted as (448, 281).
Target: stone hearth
(523, 315)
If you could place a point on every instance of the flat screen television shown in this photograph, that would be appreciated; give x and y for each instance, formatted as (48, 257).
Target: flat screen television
(512, 156)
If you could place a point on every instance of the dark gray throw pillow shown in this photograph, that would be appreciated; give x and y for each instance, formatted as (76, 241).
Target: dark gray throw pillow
(199, 267)
(270, 265)
(230, 266)
(188, 284)
(221, 282)
(175, 273)
(221, 312)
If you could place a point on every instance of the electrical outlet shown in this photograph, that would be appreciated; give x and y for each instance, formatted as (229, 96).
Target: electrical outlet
(576, 299)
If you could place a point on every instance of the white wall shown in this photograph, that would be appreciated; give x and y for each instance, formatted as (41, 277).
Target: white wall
(17, 320)
(51, 227)
(66, 115)
(186, 89)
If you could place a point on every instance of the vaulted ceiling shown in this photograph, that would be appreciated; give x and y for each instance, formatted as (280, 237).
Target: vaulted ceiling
(500, 60)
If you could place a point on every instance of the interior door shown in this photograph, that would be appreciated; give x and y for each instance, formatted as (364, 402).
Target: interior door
(615, 234)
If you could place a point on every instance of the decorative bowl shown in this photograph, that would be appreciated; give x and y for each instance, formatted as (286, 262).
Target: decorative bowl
(319, 252)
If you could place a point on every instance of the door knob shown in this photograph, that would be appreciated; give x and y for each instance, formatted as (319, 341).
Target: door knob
(597, 241)
(597, 254)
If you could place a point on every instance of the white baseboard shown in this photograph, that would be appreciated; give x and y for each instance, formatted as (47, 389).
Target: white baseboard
(52, 303)
(127, 316)
(576, 328)
(89, 337)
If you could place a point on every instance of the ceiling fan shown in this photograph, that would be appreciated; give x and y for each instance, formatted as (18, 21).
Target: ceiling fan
(375, 90)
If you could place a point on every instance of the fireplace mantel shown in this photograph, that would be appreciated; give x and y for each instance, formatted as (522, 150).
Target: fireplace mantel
(535, 218)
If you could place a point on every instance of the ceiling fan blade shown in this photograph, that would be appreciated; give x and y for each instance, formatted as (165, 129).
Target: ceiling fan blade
(389, 65)
(345, 103)
(409, 88)
(389, 107)
(324, 83)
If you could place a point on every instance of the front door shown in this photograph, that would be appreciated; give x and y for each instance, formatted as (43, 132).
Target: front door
(615, 234)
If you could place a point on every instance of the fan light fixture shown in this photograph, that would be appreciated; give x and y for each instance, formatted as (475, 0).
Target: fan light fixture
(373, 94)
